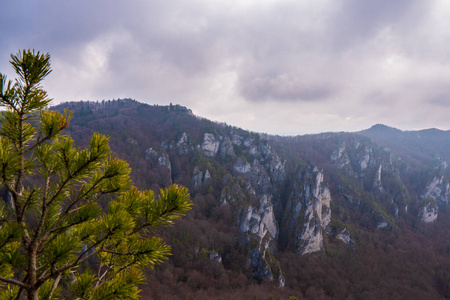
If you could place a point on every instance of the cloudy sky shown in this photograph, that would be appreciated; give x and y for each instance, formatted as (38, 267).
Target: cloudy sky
(275, 66)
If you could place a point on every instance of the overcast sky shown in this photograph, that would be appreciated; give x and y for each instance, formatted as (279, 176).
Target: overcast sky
(275, 66)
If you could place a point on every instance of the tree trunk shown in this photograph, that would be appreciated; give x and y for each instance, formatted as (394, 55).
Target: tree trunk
(33, 295)
(32, 267)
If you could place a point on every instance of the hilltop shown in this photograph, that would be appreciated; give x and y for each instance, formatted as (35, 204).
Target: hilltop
(328, 216)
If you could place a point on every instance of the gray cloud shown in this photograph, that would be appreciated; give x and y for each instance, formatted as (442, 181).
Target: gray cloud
(285, 87)
(356, 21)
(313, 66)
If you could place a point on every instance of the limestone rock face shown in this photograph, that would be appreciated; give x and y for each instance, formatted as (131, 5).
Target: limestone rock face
(164, 161)
(377, 184)
(242, 166)
(259, 178)
(210, 145)
(375, 170)
(308, 212)
(382, 224)
(260, 221)
(255, 174)
(184, 145)
(150, 152)
(231, 194)
(200, 178)
(236, 139)
(438, 189)
(274, 164)
(364, 162)
(274, 203)
(215, 256)
(258, 224)
(226, 150)
(364, 158)
(429, 212)
(249, 142)
(359, 159)
(160, 155)
(340, 157)
(344, 236)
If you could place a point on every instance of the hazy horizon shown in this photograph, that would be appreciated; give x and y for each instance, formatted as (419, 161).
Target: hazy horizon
(287, 135)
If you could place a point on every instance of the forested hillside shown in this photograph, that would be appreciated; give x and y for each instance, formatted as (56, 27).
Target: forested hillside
(328, 216)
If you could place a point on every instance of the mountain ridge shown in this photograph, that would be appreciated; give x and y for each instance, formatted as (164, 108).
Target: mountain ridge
(178, 107)
(272, 202)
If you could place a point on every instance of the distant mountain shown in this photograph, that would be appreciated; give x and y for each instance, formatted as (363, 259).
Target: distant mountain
(428, 144)
(328, 216)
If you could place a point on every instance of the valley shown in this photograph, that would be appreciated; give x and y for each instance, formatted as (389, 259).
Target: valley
(361, 215)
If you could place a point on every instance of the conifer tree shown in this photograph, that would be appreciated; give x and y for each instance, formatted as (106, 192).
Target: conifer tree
(56, 240)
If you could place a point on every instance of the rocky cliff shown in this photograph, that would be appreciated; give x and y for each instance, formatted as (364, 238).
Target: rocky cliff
(297, 194)
(308, 212)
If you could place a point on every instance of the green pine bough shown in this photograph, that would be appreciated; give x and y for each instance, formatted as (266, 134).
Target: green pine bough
(56, 240)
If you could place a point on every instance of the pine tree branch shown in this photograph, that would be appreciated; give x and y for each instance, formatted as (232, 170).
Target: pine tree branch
(5, 242)
(99, 269)
(81, 258)
(124, 267)
(13, 281)
(19, 183)
(56, 227)
(69, 266)
(38, 143)
(55, 285)
(7, 102)
(79, 197)
(120, 253)
(83, 195)
(19, 216)
(148, 224)
(54, 233)
(44, 212)
(19, 294)
(18, 188)
(21, 289)
(70, 178)
(100, 278)
(60, 189)
(109, 266)
(27, 201)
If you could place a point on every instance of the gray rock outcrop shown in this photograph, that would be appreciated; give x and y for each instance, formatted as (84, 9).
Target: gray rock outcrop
(308, 212)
